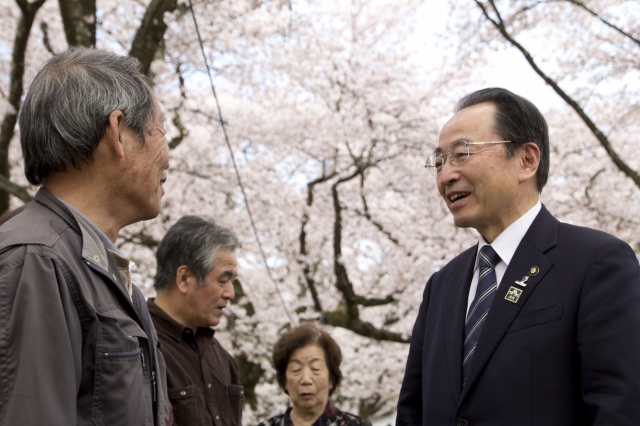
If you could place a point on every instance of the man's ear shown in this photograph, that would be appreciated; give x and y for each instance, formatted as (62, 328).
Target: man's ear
(184, 277)
(113, 134)
(529, 154)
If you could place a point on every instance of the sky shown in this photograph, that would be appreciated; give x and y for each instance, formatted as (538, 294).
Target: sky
(505, 68)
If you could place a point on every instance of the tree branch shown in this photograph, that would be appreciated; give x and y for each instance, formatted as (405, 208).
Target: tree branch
(592, 182)
(44, 27)
(13, 189)
(339, 318)
(604, 21)
(306, 268)
(140, 238)
(347, 315)
(367, 302)
(150, 34)
(184, 132)
(602, 138)
(375, 223)
(79, 21)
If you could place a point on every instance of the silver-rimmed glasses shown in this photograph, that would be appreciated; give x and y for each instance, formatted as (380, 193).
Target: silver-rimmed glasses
(458, 153)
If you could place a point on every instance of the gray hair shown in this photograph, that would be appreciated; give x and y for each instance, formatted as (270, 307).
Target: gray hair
(66, 111)
(192, 241)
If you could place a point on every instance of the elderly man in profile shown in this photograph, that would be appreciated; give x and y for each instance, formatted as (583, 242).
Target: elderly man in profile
(77, 346)
(538, 323)
(194, 282)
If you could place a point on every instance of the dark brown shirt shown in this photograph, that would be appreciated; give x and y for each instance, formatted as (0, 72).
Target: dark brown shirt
(202, 377)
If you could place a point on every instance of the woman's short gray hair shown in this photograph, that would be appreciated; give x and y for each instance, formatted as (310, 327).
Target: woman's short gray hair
(192, 241)
(66, 111)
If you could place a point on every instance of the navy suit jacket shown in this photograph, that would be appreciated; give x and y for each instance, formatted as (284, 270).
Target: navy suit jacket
(567, 353)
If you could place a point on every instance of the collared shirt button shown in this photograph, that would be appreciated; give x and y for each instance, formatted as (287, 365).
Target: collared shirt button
(209, 385)
(183, 393)
(462, 422)
(96, 258)
(217, 417)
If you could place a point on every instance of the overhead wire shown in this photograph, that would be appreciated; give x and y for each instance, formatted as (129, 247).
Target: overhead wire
(235, 166)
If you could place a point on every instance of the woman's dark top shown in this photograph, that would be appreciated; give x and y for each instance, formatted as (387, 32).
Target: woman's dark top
(330, 417)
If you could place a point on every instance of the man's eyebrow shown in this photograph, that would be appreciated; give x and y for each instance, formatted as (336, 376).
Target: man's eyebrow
(228, 274)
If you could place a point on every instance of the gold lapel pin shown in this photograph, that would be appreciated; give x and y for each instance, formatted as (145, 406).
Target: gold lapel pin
(522, 281)
(533, 271)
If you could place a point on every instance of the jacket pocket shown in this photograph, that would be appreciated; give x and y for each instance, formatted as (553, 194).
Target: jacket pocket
(120, 392)
(235, 396)
(537, 317)
(184, 406)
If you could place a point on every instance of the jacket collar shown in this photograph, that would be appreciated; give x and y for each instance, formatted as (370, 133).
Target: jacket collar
(93, 249)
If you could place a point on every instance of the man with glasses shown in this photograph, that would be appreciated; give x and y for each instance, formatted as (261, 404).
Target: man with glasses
(539, 323)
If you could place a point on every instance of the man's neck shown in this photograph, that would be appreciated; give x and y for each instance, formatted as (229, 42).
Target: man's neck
(165, 301)
(92, 204)
(493, 232)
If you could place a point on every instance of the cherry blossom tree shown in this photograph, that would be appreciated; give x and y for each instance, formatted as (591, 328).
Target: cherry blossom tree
(329, 122)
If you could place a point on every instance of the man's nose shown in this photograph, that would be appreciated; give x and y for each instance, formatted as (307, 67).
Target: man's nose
(229, 292)
(449, 171)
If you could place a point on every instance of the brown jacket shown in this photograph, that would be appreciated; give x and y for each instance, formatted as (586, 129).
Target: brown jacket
(75, 349)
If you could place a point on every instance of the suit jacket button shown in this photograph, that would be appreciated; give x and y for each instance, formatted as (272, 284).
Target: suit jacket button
(462, 422)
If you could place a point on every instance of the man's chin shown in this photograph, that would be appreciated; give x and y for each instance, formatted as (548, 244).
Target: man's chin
(462, 221)
(152, 211)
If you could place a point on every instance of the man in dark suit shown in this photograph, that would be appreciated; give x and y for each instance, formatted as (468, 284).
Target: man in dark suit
(537, 324)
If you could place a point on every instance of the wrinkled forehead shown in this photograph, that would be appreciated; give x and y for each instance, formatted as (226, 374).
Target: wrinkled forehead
(474, 123)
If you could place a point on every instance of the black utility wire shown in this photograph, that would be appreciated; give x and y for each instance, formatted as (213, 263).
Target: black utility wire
(235, 166)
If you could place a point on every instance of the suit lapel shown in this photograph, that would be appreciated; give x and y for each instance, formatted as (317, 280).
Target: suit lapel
(456, 297)
(541, 236)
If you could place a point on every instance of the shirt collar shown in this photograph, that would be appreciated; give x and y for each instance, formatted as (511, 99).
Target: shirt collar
(509, 240)
(171, 326)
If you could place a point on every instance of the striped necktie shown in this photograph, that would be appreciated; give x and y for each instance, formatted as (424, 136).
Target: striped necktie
(479, 309)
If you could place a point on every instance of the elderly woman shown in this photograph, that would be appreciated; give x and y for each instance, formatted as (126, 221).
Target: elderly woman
(307, 362)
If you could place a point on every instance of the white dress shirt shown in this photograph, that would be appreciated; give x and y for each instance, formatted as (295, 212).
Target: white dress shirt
(505, 245)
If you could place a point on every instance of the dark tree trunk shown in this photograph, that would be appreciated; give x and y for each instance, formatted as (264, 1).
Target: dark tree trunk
(9, 120)
(79, 20)
(151, 32)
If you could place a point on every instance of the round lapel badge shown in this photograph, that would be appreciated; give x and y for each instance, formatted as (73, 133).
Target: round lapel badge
(533, 271)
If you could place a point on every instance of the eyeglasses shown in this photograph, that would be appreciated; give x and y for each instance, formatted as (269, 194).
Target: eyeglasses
(458, 153)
